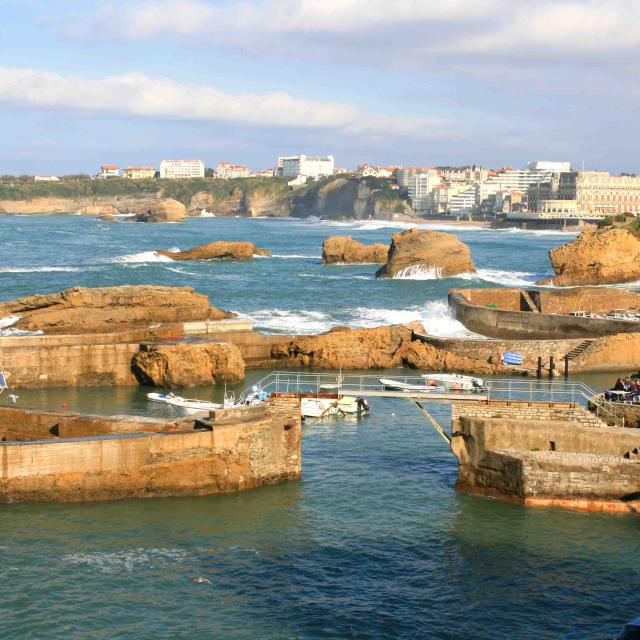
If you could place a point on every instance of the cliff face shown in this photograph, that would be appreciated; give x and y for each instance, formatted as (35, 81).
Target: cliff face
(423, 251)
(346, 198)
(598, 257)
(344, 249)
(90, 205)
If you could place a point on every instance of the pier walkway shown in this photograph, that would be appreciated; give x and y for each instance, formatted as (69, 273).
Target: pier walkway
(527, 395)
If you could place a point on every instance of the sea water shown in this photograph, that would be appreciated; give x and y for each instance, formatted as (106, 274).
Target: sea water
(373, 542)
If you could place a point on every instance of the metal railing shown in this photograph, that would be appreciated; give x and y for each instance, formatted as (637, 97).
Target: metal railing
(371, 385)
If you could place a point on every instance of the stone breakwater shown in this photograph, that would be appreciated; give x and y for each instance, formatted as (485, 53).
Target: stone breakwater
(47, 456)
(546, 454)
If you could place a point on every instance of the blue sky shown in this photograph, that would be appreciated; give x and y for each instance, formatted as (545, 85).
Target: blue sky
(494, 82)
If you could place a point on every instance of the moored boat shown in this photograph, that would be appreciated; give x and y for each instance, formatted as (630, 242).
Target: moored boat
(191, 406)
(454, 381)
(397, 385)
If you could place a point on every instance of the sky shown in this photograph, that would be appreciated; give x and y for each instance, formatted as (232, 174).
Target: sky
(404, 82)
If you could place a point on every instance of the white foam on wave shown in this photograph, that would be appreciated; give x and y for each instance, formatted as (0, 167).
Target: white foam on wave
(295, 321)
(182, 272)
(7, 328)
(499, 276)
(127, 560)
(38, 269)
(144, 256)
(539, 232)
(206, 214)
(419, 272)
(435, 316)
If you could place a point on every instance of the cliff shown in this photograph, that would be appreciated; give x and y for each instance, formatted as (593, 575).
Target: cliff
(344, 249)
(102, 310)
(605, 256)
(347, 197)
(434, 252)
(219, 250)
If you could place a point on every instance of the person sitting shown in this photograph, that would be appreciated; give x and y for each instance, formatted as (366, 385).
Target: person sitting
(619, 385)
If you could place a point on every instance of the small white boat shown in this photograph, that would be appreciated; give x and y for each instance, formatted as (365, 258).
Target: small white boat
(454, 381)
(403, 386)
(336, 406)
(191, 406)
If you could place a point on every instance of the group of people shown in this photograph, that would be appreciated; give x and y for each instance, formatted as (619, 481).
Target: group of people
(630, 388)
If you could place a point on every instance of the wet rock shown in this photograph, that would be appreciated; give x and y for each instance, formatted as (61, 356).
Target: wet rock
(220, 250)
(167, 210)
(344, 249)
(429, 252)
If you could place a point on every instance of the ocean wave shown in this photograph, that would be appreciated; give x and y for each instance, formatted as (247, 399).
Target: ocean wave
(499, 276)
(206, 214)
(344, 276)
(294, 321)
(419, 272)
(38, 269)
(183, 272)
(539, 232)
(7, 328)
(436, 317)
(144, 256)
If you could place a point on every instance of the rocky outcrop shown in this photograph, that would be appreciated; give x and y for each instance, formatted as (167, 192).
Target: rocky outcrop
(435, 252)
(84, 205)
(167, 210)
(597, 257)
(188, 364)
(350, 197)
(377, 348)
(102, 310)
(220, 250)
(344, 249)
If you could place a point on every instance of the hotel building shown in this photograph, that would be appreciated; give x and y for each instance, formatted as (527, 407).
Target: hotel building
(174, 169)
(138, 173)
(309, 166)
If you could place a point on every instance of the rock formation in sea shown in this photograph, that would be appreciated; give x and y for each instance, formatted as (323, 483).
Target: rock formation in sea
(604, 256)
(378, 348)
(219, 250)
(167, 210)
(102, 310)
(185, 365)
(429, 252)
(344, 249)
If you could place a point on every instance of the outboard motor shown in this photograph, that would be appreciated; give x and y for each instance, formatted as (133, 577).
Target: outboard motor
(363, 406)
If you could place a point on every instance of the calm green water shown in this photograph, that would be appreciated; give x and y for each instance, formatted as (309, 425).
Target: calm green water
(373, 542)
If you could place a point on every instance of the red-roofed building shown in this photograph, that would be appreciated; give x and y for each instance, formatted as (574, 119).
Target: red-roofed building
(227, 170)
(109, 171)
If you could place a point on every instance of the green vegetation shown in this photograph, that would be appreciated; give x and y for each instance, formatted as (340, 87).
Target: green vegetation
(182, 190)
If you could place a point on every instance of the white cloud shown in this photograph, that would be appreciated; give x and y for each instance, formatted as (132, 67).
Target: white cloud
(135, 94)
(455, 28)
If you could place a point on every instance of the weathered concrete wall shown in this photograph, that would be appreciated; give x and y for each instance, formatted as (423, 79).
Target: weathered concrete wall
(261, 449)
(552, 456)
(509, 322)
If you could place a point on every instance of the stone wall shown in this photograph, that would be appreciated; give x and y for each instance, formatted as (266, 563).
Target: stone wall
(262, 449)
(510, 317)
(549, 455)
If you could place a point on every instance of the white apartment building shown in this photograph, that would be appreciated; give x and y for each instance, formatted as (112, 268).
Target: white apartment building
(138, 173)
(463, 204)
(228, 170)
(182, 169)
(549, 165)
(303, 165)
(420, 187)
(46, 179)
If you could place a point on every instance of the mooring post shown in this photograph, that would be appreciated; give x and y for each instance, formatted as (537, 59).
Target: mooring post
(566, 366)
(552, 366)
(539, 371)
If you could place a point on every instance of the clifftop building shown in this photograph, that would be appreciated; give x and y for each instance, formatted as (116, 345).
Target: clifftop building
(308, 166)
(228, 170)
(138, 173)
(182, 169)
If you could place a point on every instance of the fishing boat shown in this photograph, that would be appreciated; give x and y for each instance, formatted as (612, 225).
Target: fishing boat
(397, 385)
(454, 381)
(331, 402)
